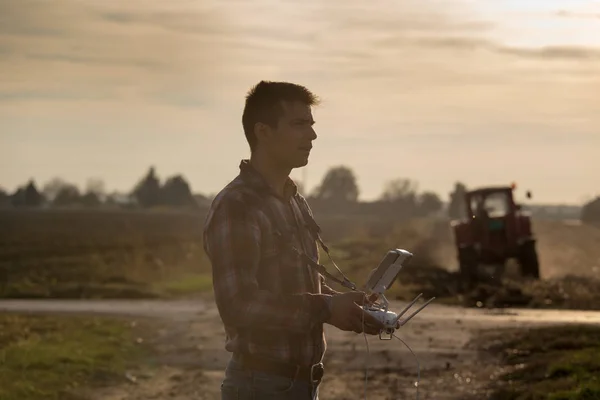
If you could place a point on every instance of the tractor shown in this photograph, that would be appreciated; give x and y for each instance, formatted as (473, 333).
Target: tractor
(495, 230)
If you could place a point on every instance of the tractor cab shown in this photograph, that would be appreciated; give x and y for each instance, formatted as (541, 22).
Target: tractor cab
(496, 202)
(491, 211)
(490, 202)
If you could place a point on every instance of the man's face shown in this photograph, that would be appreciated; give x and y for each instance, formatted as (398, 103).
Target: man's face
(289, 144)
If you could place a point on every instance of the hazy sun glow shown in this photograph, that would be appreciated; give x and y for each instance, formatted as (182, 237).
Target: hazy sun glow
(538, 23)
(480, 91)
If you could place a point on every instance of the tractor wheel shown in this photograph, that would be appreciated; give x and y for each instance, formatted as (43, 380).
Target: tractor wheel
(468, 262)
(528, 260)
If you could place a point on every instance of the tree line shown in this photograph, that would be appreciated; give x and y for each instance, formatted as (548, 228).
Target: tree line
(338, 192)
(148, 192)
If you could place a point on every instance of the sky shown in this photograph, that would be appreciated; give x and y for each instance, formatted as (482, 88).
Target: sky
(479, 91)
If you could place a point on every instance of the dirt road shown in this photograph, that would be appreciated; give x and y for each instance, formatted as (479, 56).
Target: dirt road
(191, 358)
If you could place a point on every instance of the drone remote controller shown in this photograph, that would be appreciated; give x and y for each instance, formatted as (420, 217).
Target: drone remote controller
(379, 281)
(388, 318)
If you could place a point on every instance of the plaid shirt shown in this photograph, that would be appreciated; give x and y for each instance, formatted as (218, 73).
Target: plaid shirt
(271, 303)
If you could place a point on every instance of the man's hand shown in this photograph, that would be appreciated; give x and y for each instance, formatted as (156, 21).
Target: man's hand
(347, 313)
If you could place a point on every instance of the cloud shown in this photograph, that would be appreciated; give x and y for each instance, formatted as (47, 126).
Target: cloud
(119, 17)
(91, 59)
(200, 54)
(555, 52)
(36, 18)
(185, 98)
(70, 50)
(26, 95)
(473, 44)
(204, 22)
(576, 15)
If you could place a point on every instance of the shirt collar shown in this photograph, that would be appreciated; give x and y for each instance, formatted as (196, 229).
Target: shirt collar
(257, 181)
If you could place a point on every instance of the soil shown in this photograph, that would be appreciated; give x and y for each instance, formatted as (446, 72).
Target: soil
(189, 357)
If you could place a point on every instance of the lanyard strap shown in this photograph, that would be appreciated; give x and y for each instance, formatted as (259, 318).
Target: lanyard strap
(322, 270)
(312, 226)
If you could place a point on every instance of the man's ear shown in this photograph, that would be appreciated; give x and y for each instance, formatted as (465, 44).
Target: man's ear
(262, 131)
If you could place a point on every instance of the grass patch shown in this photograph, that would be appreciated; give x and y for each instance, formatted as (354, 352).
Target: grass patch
(97, 254)
(554, 363)
(72, 290)
(148, 254)
(51, 357)
(188, 284)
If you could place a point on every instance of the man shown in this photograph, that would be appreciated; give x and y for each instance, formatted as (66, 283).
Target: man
(272, 303)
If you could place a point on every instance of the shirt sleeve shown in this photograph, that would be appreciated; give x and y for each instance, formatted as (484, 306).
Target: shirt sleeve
(233, 244)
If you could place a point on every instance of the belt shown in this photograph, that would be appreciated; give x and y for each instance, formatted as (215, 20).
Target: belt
(312, 374)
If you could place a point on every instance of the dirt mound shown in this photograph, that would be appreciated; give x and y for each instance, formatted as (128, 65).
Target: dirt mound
(569, 257)
(570, 267)
(570, 292)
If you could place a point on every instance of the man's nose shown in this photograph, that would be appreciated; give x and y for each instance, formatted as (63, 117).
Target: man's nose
(313, 134)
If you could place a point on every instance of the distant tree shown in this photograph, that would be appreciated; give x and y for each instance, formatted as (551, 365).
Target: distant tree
(400, 190)
(456, 207)
(338, 186)
(176, 192)
(147, 192)
(202, 200)
(95, 193)
(590, 212)
(4, 198)
(27, 196)
(67, 196)
(33, 197)
(429, 203)
(52, 187)
(95, 186)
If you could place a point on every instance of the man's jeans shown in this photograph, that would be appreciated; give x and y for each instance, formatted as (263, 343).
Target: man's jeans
(240, 384)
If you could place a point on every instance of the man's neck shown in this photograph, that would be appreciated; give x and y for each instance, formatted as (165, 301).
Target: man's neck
(275, 176)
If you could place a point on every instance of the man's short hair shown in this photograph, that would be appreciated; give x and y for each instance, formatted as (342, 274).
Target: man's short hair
(264, 104)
